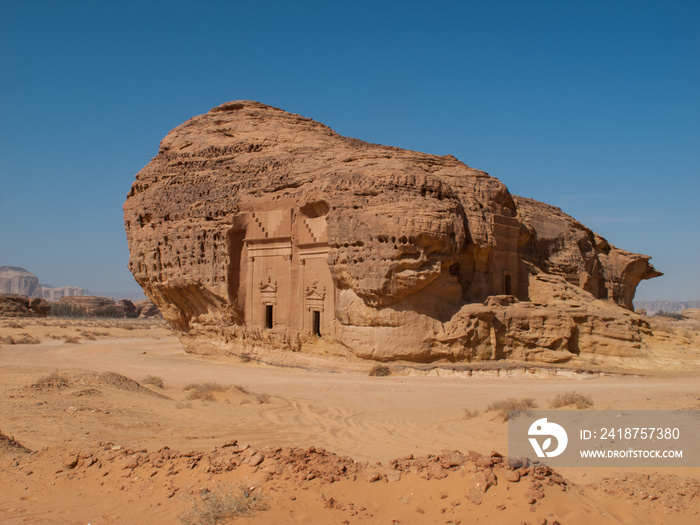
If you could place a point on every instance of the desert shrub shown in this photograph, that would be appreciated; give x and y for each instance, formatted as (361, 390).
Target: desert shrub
(572, 398)
(241, 389)
(87, 335)
(24, 339)
(380, 370)
(262, 399)
(53, 379)
(221, 505)
(106, 311)
(66, 310)
(103, 312)
(204, 391)
(71, 340)
(154, 380)
(502, 406)
(470, 413)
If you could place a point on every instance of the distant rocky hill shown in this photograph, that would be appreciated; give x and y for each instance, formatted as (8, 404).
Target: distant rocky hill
(17, 280)
(92, 306)
(666, 306)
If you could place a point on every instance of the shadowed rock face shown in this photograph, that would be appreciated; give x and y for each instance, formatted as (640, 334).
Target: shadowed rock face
(256, 229)
(14, 305)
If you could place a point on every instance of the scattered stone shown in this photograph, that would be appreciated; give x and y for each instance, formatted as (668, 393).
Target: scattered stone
(513, 476)
(71, 461)
(451, 458)
(393, 476)
(374, 476)
(255, 460)
(435, 471)
(474, 495)
(481, 482)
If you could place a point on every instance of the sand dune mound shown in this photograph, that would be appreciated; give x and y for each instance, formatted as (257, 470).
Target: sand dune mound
(10, 444)
(63, 380)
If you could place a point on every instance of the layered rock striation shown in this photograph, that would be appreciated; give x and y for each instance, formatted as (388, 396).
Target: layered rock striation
(258, 230)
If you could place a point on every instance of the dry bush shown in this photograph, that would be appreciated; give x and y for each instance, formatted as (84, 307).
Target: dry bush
(24, 339)
(87, 335)
(241, 389)
(72, 340)
(53, 379)
(262, 399)
(572, 398)
(502, 406)
(470, 413)
(204, 391)
(154, 380)
(380, 370)
(221, 505)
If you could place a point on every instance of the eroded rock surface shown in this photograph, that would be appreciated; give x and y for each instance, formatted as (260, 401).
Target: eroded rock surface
(14, 305)
(257, 230)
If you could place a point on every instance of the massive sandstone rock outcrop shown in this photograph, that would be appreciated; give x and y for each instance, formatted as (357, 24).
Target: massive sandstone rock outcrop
(257, 230)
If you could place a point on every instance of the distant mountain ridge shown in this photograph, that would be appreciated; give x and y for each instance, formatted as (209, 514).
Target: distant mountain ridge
(17, 280)
(666, 306)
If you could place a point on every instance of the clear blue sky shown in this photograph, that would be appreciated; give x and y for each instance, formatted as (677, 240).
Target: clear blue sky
(593, 106)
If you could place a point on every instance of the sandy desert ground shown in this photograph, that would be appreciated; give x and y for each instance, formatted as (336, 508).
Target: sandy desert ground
(318, 442)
